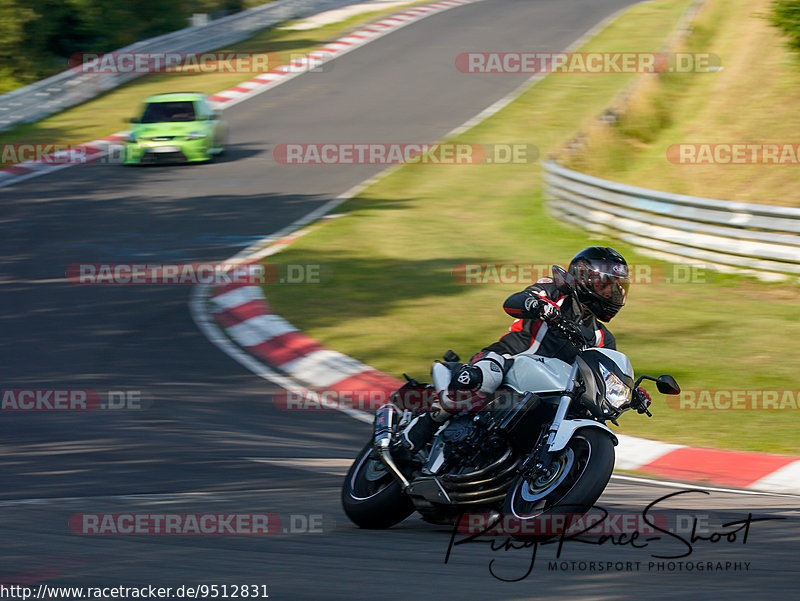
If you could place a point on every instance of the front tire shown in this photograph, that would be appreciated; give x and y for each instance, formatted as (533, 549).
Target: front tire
(371, 496)
(581, 474)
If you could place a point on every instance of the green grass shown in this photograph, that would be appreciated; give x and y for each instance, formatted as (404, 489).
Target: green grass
(753, 99)
(110, 112)
(391, 300)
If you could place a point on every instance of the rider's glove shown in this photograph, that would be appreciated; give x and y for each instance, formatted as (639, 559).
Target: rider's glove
(641, 400)
(537, 306)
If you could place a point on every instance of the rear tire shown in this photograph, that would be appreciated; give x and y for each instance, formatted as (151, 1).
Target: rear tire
(371, 496)
(585, 477)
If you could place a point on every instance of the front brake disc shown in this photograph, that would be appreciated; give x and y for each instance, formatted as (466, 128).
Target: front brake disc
(544, 484)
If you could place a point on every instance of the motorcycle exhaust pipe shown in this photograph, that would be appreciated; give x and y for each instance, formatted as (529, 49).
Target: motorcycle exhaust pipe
(385, 419)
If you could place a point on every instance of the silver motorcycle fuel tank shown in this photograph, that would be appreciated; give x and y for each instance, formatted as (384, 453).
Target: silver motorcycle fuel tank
(534, 373)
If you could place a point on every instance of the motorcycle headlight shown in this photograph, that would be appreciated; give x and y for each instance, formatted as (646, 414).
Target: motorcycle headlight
(617, 393)
(196, 135)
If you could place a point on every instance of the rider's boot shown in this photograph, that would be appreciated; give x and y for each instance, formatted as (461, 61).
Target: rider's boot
(420, 431)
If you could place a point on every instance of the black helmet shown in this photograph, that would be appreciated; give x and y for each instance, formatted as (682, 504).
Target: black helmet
(601, 280)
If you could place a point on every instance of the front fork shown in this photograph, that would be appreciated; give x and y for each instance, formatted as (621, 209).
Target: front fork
(541, 458)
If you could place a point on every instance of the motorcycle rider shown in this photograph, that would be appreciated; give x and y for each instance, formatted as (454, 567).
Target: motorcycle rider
(599, 291)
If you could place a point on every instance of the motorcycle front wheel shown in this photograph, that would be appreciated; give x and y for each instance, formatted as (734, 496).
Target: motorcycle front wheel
(577, 478)
(371, 496)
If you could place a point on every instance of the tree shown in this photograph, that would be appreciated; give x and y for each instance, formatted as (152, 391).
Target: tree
(13, 18)
(786, 16)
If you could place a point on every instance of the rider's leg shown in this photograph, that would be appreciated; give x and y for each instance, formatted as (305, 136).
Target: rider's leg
(483, 376)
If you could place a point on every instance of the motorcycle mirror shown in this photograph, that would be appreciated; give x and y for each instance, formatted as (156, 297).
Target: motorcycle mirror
(451, 356)
(563, 278)
(667, 385)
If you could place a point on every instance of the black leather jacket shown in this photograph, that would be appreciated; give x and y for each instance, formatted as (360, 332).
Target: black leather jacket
(532, 335)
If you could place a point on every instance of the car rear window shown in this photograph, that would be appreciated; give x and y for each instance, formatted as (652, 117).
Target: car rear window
(166, 112)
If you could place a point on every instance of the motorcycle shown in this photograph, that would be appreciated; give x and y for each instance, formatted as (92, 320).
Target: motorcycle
(540, 445)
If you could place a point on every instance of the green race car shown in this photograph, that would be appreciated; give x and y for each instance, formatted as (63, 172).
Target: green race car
(175, 128)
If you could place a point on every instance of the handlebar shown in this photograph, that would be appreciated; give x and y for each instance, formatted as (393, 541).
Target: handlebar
(569, 329)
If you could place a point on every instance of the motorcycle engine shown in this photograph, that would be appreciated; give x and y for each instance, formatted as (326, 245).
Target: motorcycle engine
(468, 445)
(458, 431)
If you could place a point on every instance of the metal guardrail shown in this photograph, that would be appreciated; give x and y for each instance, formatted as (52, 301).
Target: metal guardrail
(727, 235)
(43, 98)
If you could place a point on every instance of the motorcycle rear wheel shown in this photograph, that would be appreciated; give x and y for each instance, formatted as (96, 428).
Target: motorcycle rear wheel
(371, 496)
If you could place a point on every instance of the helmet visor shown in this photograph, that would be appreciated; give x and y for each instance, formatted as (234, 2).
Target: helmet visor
(609, 283)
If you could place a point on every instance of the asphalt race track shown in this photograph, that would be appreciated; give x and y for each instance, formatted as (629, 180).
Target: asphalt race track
(211, 440)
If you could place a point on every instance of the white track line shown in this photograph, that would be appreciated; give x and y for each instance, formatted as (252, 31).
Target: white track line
(210, 329)
(670, 484)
